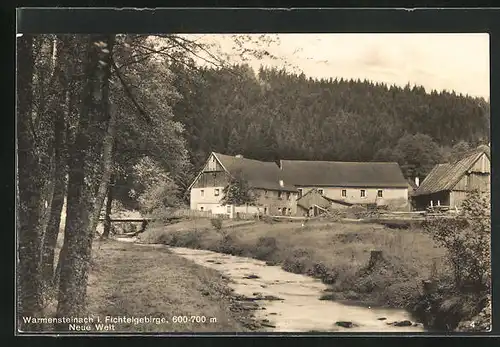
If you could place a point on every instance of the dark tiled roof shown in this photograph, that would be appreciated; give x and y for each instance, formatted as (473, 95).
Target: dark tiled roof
(259, 174)
(444, 177)
(343, 174)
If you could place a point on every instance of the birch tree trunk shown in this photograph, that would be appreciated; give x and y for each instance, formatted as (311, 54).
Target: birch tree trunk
(29, 184)
(61, 102)
(79, 230)
(107, 215)
(107, 168)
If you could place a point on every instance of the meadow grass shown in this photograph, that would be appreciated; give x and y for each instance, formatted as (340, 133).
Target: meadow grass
(136, 281)
(338, 253)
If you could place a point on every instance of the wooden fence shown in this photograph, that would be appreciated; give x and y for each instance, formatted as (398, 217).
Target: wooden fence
(208, 214)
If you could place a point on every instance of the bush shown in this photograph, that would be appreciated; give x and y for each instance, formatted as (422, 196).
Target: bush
(216, 223)
(187, 239)
(298, 262)
(265, 248)
(467, 239)
(229, 245)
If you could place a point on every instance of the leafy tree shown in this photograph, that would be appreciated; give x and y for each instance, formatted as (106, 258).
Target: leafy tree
(467, 239)
(417, 154)
(238, 192)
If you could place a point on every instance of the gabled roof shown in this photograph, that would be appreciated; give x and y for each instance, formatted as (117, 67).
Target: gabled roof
(327, 201)
(258, 174)
(343, 174)
(444, 177)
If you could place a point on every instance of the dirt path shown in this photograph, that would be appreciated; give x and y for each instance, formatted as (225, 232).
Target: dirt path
(128, 281)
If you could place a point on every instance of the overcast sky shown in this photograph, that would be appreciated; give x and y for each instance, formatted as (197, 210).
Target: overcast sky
(457, 62)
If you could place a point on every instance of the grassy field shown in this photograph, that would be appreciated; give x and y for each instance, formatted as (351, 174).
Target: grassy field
(338, 253)
(137, 281)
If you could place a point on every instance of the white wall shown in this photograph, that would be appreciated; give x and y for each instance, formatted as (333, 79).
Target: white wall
(354, 194)
(208, 200)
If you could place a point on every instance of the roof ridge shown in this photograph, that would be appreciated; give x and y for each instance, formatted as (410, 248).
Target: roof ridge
(340, 162)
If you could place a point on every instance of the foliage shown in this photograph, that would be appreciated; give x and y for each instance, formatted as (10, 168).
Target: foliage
(265, 248)
(417, 154)
(216, 223)
(467, 239)
(275, 114)
(238, 192)
(159, 191)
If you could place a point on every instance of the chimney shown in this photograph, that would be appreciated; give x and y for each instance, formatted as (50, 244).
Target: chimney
(417, 181)
(239, 156)
(281, 183)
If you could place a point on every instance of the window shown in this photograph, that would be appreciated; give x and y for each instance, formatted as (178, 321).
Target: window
(320, 191)
(279, 210)
(216, 192)
(265, 210)
(228, 209)
(288, 195)
(344, 193)
(202, 192)
(279, 194)
(379, 193)
(363, 193)
(289, 211)
(265, 193)
(300, 192)
(201, 208)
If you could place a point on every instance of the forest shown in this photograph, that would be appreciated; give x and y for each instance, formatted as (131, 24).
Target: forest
(274, 114)
(103, 118)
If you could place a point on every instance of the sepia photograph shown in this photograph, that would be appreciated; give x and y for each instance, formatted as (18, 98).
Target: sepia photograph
(253, 183)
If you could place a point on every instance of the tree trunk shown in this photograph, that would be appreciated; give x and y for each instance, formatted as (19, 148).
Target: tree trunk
(109, 201)
(29, 186)
(79, 230)
(107, 168)
(61, 98)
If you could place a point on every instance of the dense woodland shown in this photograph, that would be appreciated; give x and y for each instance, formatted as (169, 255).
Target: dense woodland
(274, 114)
(118, 117)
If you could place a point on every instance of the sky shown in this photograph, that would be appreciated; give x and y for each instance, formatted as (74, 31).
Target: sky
(458, 62)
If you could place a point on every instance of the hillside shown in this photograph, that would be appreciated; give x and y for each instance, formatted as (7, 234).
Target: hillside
(276, 114)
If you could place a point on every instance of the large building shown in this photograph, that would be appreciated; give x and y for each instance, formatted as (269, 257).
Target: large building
(448, 184)
(298, 187)
(349, 182)
(274, 196)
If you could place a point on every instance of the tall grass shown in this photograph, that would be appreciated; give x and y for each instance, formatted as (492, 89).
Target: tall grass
(336, 253)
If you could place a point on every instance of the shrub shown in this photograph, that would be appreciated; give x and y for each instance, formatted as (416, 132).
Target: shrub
(265, 248)
(467, 240)
(216, 223)
(229, 245)
(188, 239)
(298, 262)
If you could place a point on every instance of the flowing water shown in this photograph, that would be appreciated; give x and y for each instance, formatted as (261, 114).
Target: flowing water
(299, 308)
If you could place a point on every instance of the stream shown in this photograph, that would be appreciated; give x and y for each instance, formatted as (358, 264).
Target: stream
(291, 302)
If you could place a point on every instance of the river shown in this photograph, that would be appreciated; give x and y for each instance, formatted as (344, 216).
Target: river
(299, 308)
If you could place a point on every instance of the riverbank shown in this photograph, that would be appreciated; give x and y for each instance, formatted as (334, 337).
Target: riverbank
(336, 253)
(288, 302)
(128, 280)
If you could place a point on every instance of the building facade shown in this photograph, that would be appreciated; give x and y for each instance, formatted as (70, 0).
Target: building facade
(448, 184)
(349, 182)
(293, 187)
(272, 195)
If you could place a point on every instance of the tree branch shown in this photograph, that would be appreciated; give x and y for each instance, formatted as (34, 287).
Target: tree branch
(129, 93)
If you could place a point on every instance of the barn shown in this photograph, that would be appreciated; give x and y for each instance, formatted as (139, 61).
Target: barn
(448, 184)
